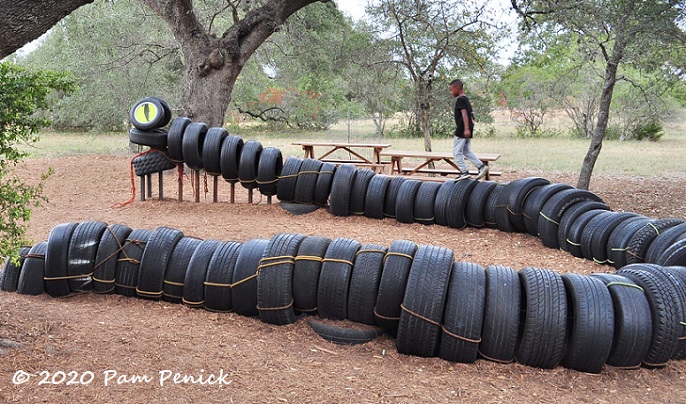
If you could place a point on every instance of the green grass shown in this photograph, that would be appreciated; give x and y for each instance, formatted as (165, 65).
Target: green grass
(559, 154)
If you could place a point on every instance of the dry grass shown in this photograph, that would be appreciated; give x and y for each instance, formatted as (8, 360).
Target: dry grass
(560, 154)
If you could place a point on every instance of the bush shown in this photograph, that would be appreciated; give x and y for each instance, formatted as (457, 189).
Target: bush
(651, 130)
(23, 94)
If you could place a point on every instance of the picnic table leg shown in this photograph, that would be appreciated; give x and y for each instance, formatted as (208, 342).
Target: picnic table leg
(309, 151)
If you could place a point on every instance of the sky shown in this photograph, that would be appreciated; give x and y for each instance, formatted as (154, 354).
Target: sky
(354, 8)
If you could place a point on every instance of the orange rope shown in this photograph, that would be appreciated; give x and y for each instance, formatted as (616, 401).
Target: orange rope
(133, 177)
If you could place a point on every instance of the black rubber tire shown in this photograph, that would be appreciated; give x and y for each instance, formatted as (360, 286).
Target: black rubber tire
(167, 111)
(177, 267)
(193, 141)
(591, 324)
(148, 114)
(457, 203)
(620, 238)
(404, 204)
(675, 255)
(285, 187)
(464, 313)
(322, 188)
(83, 247)
(275, 279)
(249, 164)
(244, 290)
(151, 162)
(56, 282)
(376, 196)
(339, 201)
(663, 241)
(128, 262)
(9, 276)
(220, 275)
(175, 138)
(534, 203)
(391, 195)
(196, 272)
(269, 170)
(308, 264)
(474, 214)
(111, 243)
(334, 278)
(306, 181)
(544, 304)
(343, 335)
(441, 202)
(212, 150)
(154, 262)
(501, 314)
(677, 279)
(554, 209)
(358, 191)
(230, 157)
(640, 242)
(663, 301)
(154, 138)
(518, 191)
(489, 208)
(576, 230)
(570, 216)
(419, 330)
(30, 281)
(396, 270)
(298, 208)
(364, 283)
(597, 232)
(633, 321)
(424, 201)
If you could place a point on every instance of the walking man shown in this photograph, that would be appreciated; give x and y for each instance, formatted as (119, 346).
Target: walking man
(464, 121)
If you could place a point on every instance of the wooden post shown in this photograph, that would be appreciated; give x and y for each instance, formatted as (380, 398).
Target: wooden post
(196, 174)
(179, 170)
(159, 178)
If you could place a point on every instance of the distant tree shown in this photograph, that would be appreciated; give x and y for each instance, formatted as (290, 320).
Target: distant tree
(23, 94)
(131, 55)
(432, 39)
(298, 76)
(617, 32)
(217, 44)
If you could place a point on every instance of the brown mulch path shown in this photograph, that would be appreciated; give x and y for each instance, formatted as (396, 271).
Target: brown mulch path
(133, 342)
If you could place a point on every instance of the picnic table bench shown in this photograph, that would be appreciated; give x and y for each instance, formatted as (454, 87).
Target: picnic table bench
(354, 149)
(397, 157)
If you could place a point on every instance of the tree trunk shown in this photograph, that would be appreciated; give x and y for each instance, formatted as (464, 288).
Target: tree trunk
(22, 21)
(424, 93)
(603, 114)
(214, 63)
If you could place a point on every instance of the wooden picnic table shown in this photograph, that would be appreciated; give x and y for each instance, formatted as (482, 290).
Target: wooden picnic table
(354, 149)
(397, 157)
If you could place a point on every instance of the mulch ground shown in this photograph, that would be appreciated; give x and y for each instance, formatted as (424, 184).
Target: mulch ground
(130, 350)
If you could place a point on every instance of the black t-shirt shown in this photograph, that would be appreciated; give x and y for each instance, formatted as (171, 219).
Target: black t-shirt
(462, 102)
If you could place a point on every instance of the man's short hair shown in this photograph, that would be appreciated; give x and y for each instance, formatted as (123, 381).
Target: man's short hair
(457, 83)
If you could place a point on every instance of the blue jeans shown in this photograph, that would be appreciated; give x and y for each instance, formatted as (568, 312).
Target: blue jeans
(461, 149)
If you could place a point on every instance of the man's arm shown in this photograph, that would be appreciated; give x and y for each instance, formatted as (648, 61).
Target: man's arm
(465, 121)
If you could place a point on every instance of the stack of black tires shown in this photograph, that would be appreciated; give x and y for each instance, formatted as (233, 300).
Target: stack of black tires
(200, 147)
(433, 305)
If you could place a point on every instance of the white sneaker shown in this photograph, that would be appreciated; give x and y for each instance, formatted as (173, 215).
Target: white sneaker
(483, 171)
(463, 176)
